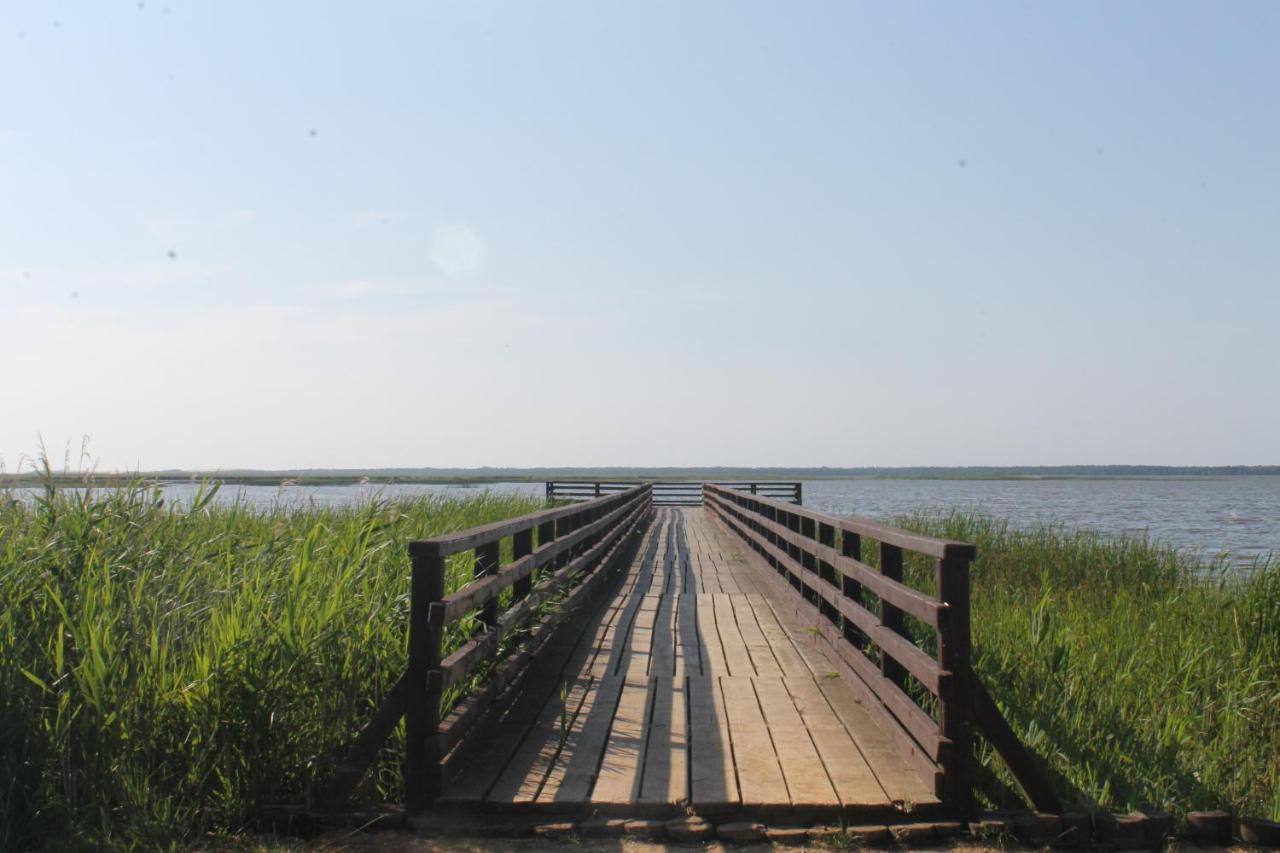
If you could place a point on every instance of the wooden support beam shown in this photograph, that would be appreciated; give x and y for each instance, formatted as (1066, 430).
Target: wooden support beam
(1022, 764)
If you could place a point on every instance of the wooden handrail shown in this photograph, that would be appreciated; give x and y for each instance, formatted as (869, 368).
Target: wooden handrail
(830, 579)
(574, 545)
(465, 540)
(827, 579)
(673, 492)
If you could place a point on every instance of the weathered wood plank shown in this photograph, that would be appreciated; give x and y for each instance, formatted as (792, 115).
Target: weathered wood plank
(735, 649)
(759, 773)
(619, 777)
(662, 657)
(666, 766)
(900, 781)
(758, 647)
(802, 766)
(580, 772)
(790, 662)
(712, 774)
(710, 647)
(854, 781)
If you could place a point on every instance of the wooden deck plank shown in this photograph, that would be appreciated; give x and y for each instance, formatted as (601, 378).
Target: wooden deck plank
(575, 780)
(666, 764)
(688, 646)
(735, 649)
(758, 646)
(852, 777)
(790, 661)
(759, 773)
(530, 765)
(619, 778)
(713, 776)
(900, 782)
(710, 647)
(634, 663)
(802, 766)
(484, 772)
(525, 773)
(662, 657)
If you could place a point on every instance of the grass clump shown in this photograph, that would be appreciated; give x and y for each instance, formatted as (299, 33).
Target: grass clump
(168, 669)
(1146, 677)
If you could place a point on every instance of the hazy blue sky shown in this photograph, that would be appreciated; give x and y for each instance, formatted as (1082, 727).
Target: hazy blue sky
(411, 233)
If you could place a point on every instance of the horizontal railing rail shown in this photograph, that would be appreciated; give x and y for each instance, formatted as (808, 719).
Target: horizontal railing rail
(672, 492)
(527, 575)
(926, 697)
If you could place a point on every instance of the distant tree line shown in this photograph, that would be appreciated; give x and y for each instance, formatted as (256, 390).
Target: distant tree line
(491, 474)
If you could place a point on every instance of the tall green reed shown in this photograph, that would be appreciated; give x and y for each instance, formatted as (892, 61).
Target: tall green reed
(1147, 676)
(172, 667)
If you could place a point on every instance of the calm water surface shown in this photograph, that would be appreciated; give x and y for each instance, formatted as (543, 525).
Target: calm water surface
(1210, 515)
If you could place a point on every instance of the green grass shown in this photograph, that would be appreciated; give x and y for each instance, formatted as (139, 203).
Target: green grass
(169, 669)
(1145, 677)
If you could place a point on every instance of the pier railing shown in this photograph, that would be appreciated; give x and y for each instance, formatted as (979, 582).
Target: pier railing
(671, 492)
(878, 625)
(551, 562)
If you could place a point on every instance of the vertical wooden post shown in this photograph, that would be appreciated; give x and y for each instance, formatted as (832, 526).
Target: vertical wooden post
(799, 493)
(597, 488)
(827, 536)
(563, 528)
(793, 524)
(487, 558)
(522, 546)
(422, 710)
(546, 534)
(851, 546)
(890, 616)
(955, 700)
(753, 488)
(808, 530)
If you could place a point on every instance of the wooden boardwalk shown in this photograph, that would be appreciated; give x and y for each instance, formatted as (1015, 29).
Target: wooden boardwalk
(647, 651)
(689, 687)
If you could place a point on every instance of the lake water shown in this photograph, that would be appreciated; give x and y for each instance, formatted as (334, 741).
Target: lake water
(1238, 515)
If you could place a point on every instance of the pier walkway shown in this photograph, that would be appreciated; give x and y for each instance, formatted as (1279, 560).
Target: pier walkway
(716, 649)
(691, 685)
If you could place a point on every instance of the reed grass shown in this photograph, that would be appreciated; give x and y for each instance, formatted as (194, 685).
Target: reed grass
(1147, 677)
(171, 668)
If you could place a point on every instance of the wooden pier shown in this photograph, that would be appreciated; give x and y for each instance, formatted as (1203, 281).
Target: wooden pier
(733, 656)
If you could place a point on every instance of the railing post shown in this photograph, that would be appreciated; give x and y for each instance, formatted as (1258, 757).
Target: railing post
(422, 708)
(851, 546)
(487, 558)
(955, 700)
(827, 536)
(808, 530)
(799, 493)
(546, 534)
(522, 546)
(890, 616)
(564, 526)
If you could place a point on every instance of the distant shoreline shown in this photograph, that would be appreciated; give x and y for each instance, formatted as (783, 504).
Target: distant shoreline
(481, 476)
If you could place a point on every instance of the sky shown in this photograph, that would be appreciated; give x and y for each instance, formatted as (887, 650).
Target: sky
(286, 234)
